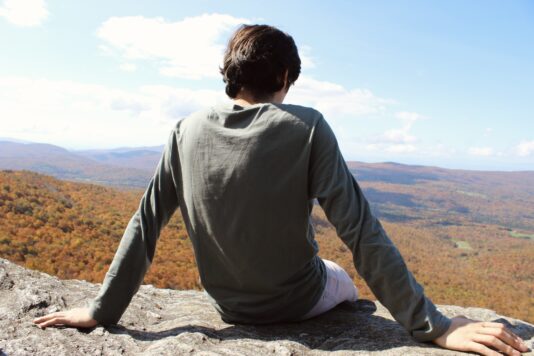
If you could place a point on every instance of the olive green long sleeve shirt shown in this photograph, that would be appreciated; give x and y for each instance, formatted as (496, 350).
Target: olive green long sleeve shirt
(245, 179)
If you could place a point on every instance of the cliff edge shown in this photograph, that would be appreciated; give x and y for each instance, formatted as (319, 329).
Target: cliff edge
(174, 322)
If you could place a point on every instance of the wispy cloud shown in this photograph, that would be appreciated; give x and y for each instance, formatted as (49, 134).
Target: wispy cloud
(391, 148)
(191, 48)
(334, 100)
(402, 135)
(307, 62)
(525, 148)
(397, 140)
(24, 13)
(128, 67)
(78, 114)
(409, 118)
(480, 151)
(88, 115)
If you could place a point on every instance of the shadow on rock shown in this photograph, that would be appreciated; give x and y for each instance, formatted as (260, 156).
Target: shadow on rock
(349, 326)
(524, 331)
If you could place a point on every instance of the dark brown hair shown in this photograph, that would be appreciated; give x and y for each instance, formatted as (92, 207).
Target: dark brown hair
(256, 59)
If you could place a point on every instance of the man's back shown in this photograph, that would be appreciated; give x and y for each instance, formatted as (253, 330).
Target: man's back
(246, 205)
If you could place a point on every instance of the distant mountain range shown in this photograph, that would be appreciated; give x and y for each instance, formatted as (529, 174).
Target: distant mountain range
(144, 158)
(398, 192)
(8, 139)
(130, 167)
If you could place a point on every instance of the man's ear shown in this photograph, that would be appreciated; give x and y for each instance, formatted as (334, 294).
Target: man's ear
(286, 84)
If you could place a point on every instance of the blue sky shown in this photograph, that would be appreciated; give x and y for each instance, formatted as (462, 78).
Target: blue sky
(447, 83)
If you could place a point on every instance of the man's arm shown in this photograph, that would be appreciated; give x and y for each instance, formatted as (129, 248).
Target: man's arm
(379, 262)
(375, 257)
(136, 249)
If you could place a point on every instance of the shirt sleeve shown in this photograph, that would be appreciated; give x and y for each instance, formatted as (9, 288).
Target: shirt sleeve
(375, 257)
(137, 246)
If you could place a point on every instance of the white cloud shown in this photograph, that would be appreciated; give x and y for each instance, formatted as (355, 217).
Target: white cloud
(408, 118)
(80, 115)
(128, 67)
(401, 135)
(398, 136)
(24, 13)
(397, 140)
(174, 103)
(334, 100)
(394, 148)
(480, 151)
(77, 114)
(306, 60)
(86, 115)
(525, 148)
(191, 48)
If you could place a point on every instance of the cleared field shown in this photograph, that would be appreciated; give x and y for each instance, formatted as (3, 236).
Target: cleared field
(464, 245)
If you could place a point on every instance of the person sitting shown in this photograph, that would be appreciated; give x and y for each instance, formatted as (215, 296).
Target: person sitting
(246, 174)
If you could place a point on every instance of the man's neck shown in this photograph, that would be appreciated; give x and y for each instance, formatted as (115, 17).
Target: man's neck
(244, 98)
(243, 102)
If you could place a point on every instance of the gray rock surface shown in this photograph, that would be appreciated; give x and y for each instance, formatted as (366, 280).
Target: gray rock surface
(173, 322)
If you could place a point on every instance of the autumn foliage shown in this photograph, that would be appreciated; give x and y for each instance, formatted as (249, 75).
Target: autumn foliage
(72, 230)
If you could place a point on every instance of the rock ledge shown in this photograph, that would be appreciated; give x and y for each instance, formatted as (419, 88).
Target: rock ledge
(173, 322)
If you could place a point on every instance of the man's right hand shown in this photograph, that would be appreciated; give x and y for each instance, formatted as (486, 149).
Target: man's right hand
(77, 317)
(475, 336)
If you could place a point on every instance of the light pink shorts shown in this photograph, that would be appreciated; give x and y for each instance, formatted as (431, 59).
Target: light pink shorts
(339, 288)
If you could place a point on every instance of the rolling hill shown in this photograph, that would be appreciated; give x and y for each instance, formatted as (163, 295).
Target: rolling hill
(399, 192)
(144, 158)
(447, 196)
(64, 164)
(71, 230)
